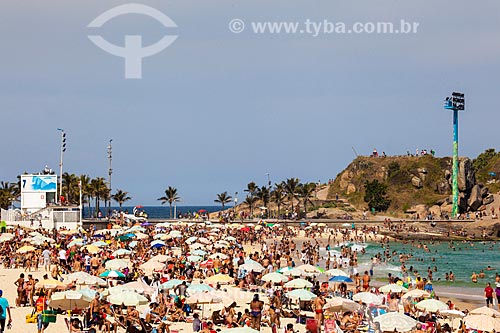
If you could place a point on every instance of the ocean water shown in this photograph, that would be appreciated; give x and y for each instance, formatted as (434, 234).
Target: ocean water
(464, 259)
(157, 212)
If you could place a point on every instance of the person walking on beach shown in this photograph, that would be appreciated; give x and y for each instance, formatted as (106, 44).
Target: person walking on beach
(4, 309)
(488, 294)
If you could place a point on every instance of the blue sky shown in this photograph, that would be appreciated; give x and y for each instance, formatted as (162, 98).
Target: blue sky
(216, 110)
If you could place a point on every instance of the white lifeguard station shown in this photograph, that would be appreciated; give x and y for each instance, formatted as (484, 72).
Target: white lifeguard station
(40, 205)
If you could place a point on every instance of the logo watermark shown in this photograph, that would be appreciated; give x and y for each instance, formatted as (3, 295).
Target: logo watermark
(133, 52)
(323, 27)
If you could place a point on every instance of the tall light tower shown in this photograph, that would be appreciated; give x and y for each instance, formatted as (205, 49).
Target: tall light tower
(63, 150)
(110, 172)
(455, 103)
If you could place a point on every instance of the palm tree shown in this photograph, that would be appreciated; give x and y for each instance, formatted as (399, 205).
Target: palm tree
(252, 189)
(120, 197)
(305, 192)
(278, 196)
(86, 190)
(264, 195)
(7, 194)
(291, 187)
(70, 187)
(223, 199)
(171, 196)
(99, 190)
(250, 201)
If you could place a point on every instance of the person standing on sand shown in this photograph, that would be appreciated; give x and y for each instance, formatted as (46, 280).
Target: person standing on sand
(256, 307)
(366, 281)
(319, 302)
(488, 294)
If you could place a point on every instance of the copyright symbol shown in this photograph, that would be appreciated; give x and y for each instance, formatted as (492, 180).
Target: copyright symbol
(236, 26)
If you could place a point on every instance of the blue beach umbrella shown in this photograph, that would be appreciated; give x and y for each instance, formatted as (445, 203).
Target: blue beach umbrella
(340, 278)
(113, 274)
(171, 284)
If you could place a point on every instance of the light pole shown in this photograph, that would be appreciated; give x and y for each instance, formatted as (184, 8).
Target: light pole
(235, 204)
(455, 103)
(63, 149)
(110, 171)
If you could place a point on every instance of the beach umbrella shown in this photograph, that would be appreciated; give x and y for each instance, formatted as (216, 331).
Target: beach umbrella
(339, 304)
(336, 272)
(431, 305)
(199, 253)
(416, 293)
(198, 288)
(141, 236)
(157, 243)
(203, 298)
(191, 240)
(160, 258)
(367, 298)
(121, 252)
(484, 310)
(170, 284)
(340, 278)
(293, 272)
(140, 286)
(395, 321)
(274, 278)
(75, 242)
(205, 241)
(112, 274)
(87, 292)
(194, 258)
(116, 264)
(26, 249)
(221, 256)
(220, 279)
(482, 322)
(301, 294)
(230, 238)
(92, 249)
(298, 283)
(127, 298)
(152, 266)
(196, 246)
(309, 269)
(85, 279)
(452, 313)
(69, 300)
(50, 284)
(159, 236)
(132, 244)
(100, 244)
(116, 290)
(392, 288)
(244, 329)
(253, 267)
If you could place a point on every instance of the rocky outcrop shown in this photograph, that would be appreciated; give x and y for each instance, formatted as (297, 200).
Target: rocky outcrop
(466, 176)
(417, 182)
(475, 199)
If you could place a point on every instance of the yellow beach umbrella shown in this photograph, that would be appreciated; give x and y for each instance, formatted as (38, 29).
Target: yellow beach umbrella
(26, 249)
(219, 278)
(92, 249)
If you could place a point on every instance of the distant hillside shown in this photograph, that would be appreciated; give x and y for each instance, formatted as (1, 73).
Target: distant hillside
(420, 184)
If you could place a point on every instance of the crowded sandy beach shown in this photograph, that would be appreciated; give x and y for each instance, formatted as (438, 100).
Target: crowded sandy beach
(227, 277)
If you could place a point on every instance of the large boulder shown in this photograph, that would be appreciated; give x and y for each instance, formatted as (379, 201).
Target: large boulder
(351, 188)
(489, 199)
(462, 203)
(417, 182)
(475, 199)
(435, 211)
(466, 176)
(443, 187)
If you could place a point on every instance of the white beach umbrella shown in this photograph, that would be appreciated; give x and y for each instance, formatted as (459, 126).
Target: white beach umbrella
(69, 300)
(395, 321)
(482, 322)
(336, 272)
(339, 304)
(160, 258)
(301, 294)
(121, 252)
(84, 278)
(244, 329)
(274, 277)
(486, 311)
(392, 288)
(431, 305)
(416, 293)
(309, 269)
(298, 284)
(116, 264)
(127, 298)
(140, 286)
(294, 272)
(221, 256)
(367, 298)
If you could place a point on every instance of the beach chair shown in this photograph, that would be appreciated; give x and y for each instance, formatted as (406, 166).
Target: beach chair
(312, 326)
